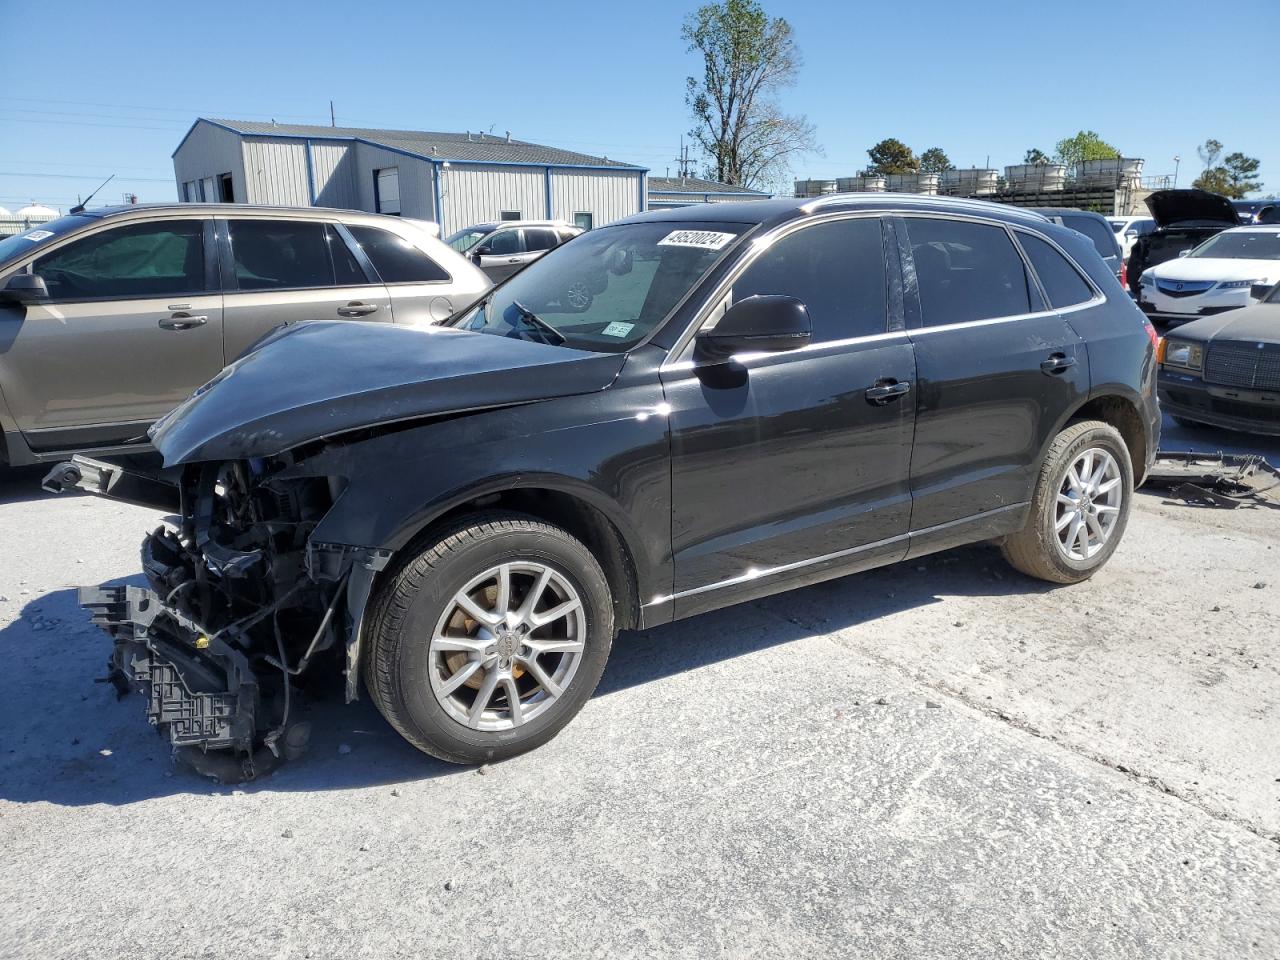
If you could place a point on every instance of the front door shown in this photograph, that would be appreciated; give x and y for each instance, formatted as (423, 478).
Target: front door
(282, 271)
(784, 467)
(501, 254)
(132, 326)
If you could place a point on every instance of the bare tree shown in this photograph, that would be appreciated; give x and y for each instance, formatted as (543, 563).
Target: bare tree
(748, 58)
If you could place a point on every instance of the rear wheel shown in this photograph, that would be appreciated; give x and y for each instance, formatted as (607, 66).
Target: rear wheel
(490, 640)
(1080, 506)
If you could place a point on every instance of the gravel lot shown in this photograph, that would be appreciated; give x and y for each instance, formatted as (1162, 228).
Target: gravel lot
(937, 760)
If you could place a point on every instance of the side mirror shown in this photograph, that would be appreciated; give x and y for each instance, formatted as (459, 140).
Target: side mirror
(24, 288)
(756, 324)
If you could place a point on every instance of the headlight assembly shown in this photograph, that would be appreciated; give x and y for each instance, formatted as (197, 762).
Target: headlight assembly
(1181, 353)
(1237, 284)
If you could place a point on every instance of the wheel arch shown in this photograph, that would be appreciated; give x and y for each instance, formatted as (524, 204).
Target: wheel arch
(1121, 412)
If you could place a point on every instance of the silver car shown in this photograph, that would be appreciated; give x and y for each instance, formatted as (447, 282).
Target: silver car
(502, 247)
(109, 318)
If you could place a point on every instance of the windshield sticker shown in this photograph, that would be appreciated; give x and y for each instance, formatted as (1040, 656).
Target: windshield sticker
(702, 239)
(37, 235)
(618, 329)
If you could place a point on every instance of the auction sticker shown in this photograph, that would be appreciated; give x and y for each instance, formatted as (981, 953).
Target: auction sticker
(702, 239)
(36, 235)
(618, 329)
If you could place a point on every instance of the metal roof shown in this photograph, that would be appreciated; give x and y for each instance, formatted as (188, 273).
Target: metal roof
(696, 185)
(454, 147)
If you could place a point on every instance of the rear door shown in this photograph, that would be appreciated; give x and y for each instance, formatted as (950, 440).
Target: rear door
(996, 371)
(132, 326)
(419, 288)
(501, 254)
(278, 271)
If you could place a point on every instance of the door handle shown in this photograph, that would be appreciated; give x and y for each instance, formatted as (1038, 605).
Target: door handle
(886, 391)
(357, 309)
(1057, 363)
(182, 321)
(514, 260)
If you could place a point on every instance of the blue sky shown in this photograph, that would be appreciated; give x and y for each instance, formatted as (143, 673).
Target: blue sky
(97, 88)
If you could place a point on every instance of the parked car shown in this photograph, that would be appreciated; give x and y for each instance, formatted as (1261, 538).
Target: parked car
(1224, 371)
(503, 247)
(1258, 211)
(1184, 220)
(1228, 271)
(1098, 229)
(109, 318)
(1129, 229)
(467, 515)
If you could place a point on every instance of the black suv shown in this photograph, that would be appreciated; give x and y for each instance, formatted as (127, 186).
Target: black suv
(756, 397)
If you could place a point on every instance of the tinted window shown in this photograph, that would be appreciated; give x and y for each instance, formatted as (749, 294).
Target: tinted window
(346, 271)
(1062, 284)
(396, 259)
(966, 271)
(279, 254)
(539, 239)
(836, 269)
(40, 235)
(141, 260)
(1097, 231)
(503, 242)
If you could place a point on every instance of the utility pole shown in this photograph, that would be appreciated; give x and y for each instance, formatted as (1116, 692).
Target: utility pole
(332, 120)
(682, 161)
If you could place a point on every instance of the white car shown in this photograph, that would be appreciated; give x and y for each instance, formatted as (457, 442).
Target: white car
(1129, 229)
(1231, 269)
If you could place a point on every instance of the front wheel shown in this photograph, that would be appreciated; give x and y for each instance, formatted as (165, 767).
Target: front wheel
(486, 643)
(1080, 506)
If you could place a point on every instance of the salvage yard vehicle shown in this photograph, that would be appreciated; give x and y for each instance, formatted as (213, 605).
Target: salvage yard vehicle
(1129, 229)
(1098, 229)
(111, 317)
(759, 396)
(1184, 220)
(1224, 371)
(1230, 270)
(502, 247)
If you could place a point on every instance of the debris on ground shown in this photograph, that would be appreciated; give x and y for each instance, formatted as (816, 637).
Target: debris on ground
(1216, 479)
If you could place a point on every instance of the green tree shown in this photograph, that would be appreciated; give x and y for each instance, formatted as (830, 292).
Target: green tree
(747, 58)
(1209, 152)
(1085, 145)
(934, 160)
(892, 156)
(1242, 174)
(1214, 180)
(1035, 155)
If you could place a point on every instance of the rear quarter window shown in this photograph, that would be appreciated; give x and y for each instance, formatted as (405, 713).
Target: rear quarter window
(1062, 283)
(396, 259)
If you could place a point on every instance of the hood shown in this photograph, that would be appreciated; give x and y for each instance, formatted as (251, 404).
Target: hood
(1216, 269)
(326, 377)
(1169, 207)
(1257, 324)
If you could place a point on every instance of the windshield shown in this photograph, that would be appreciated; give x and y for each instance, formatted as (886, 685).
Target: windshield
(464, 240)
(39, 235)
(607, 290)
(1246, 245)
(1119, 225)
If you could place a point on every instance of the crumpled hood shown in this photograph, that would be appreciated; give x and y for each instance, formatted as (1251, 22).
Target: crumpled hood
(1191, 206)
(326, 377)
(1257, 324)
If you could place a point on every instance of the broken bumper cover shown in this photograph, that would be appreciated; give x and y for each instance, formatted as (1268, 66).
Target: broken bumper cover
(199, 691)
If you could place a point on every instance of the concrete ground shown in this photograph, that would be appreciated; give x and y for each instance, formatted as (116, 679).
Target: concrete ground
(935, 760)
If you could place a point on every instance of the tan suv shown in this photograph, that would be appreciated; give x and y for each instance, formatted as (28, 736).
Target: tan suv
(109, 318)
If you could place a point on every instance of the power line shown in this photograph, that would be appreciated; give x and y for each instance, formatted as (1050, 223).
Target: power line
(86, 176)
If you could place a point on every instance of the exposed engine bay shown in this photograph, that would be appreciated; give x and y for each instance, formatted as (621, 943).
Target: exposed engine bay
(239, 605)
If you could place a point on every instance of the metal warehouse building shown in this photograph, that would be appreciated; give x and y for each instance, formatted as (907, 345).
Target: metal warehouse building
(668, 192)
(455, 179)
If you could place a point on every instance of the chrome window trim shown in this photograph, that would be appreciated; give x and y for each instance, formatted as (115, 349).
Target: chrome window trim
(752, 574)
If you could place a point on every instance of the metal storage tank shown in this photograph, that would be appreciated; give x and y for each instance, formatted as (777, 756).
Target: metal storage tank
(926, 183)
(973, 182)
(815, 188)
(35, 213)
(1036, 177)
(1118, 172)
(862, 183)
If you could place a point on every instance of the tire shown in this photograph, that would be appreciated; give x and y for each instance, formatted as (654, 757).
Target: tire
(1038, 550)
(408, 673)
(1189, 424)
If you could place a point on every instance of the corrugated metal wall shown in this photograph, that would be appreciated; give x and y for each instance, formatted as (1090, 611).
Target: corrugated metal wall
(334, 168)
(606, 194)
(276, 171)
(208, 152)
(417, 198)
(474, 194)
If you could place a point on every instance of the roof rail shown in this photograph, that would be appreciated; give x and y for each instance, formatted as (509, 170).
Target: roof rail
(922, 199)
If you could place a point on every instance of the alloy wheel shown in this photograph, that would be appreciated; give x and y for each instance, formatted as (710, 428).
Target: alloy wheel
(1088, 504)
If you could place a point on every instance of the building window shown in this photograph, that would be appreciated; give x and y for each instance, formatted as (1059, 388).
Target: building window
(510, 215)
(386, 191)
(226, 188)
(188, 191)
(583, 219)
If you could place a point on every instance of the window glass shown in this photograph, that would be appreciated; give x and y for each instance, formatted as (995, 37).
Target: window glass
(386, 185)
(836, 269)
(396, 259)
(41, 235)
(1103, 239)
(504, 243)
(966, 271)
(510, 215)
(464, 240)
(346, 270)
(280, 254)
(140, 260)
(1062, 283)
(583, 219)
(538, 238)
